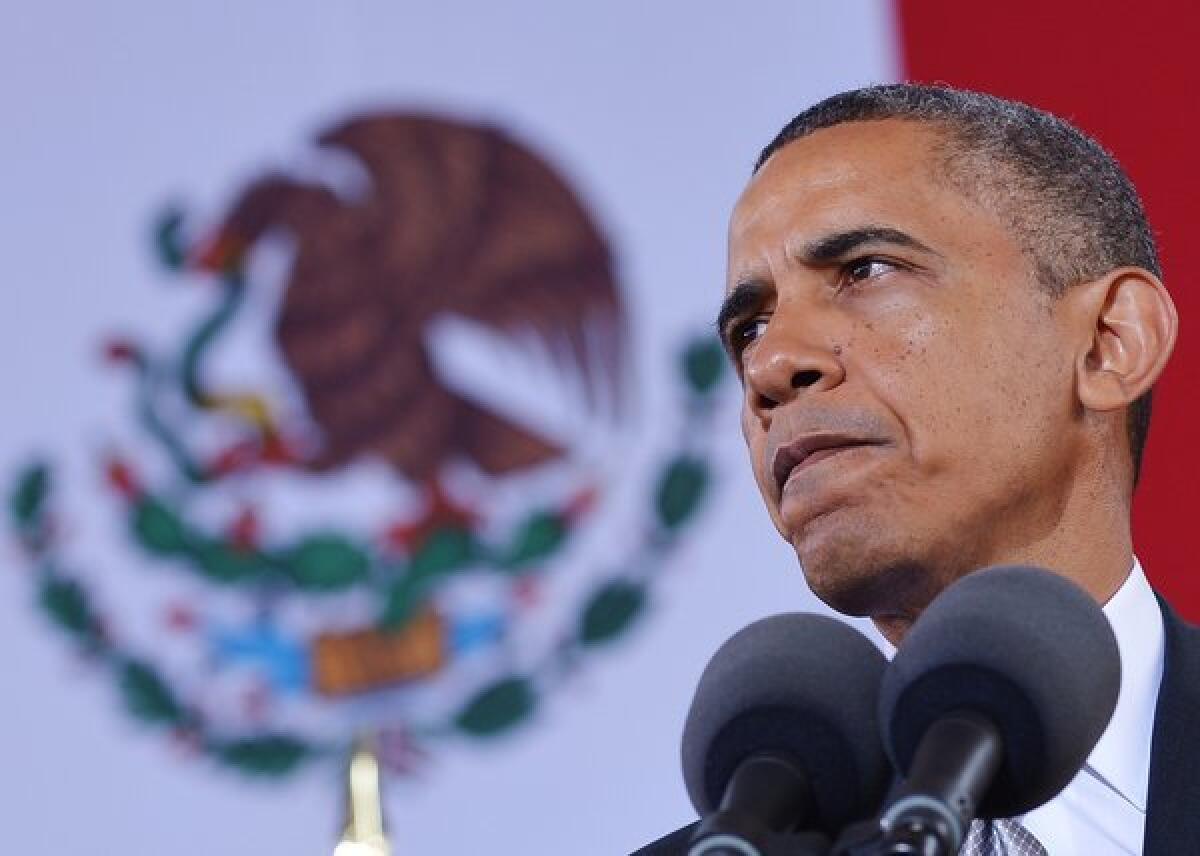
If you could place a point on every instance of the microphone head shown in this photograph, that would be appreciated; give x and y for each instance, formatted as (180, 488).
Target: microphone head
(800, 686)
(1028, 650)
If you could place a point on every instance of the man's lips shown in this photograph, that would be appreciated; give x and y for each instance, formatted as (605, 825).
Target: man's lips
(811, 449)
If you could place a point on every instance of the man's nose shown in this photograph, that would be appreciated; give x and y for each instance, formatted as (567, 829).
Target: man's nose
(784, 365)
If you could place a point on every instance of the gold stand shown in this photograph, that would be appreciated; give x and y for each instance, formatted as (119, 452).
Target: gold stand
(363, 834)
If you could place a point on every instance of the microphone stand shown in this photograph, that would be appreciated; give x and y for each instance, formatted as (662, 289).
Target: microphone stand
(766, 793)
(766, 844)
(956, 760)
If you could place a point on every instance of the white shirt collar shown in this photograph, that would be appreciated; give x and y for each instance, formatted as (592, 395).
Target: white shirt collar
(1121, 758)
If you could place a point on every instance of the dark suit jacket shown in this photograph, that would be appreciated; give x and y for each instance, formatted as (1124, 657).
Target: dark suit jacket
(1173, 804)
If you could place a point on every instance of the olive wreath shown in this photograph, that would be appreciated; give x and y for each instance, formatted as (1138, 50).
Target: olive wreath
(332, 562)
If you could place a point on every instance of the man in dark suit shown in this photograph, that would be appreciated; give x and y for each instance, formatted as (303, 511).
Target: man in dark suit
(947, 316)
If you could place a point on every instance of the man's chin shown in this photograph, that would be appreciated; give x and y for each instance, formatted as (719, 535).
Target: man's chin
(867, 580)
(847, 591)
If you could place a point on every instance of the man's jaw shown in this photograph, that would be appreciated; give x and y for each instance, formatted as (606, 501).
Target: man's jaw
(871, 581)
(893, 627)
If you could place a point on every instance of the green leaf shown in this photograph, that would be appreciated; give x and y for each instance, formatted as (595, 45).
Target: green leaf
(29, 498)
(147, 696)
(223, 563)
(273, 755)
(445, 550)
(67, 604)
(703, 364)
(498, 708)
(326, 563)
(403, 599)
(540, 535)
(159, 529)
(610, 611)
(168, 240)
(681, 490)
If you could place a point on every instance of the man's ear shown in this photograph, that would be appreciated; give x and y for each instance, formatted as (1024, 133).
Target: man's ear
(1133, 325)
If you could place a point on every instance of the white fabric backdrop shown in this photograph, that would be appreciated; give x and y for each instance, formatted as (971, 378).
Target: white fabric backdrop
(655, 110)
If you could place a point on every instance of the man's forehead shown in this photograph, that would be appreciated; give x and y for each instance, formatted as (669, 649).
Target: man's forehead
(853, 157)
(854, 176)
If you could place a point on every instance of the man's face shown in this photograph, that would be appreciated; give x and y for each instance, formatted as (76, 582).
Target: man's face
(908, 385)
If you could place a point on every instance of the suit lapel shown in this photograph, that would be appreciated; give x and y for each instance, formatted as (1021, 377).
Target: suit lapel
(1173, 804)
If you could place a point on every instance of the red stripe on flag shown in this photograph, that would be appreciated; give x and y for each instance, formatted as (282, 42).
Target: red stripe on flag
(1128, 74)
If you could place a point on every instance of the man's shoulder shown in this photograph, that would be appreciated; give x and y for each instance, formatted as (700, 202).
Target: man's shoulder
(675, 844)
(1172, 825)
(1181, 661)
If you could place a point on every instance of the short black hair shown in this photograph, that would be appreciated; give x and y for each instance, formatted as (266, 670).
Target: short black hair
(1072, 207)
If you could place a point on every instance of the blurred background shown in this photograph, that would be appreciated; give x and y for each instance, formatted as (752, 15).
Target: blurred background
(359, 383)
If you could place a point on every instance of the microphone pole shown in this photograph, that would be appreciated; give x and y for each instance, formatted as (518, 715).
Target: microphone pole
(765, 794)
(955, 762)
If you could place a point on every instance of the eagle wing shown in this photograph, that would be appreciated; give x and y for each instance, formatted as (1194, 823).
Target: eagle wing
(495, 235)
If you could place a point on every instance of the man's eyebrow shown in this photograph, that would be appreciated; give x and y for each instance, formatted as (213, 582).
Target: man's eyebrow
(746, 297)
(836, 246)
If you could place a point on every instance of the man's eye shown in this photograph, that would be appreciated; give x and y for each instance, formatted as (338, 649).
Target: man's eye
(864, 269)
(746, 332)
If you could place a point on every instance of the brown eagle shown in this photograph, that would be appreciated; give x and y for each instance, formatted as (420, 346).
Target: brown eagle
(457, 219)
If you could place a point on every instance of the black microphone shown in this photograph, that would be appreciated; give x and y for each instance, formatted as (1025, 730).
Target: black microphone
(782, 737)
(993, 703)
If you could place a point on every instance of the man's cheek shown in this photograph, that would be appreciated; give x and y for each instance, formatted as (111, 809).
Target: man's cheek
(748, 425)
